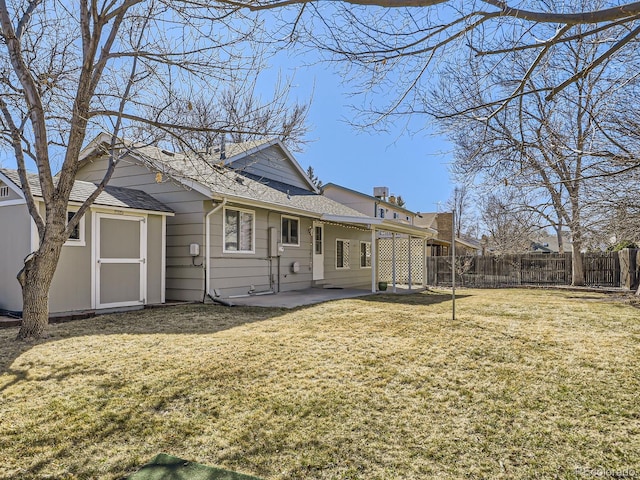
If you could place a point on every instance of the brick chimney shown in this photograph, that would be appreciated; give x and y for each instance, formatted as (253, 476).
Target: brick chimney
(444, 222)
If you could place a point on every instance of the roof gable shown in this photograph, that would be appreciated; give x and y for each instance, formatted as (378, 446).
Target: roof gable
(269, 160)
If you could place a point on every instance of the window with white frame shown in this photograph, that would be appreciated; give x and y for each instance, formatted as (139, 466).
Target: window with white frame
(239, 231)
(4, 191)
(77, 235)
(290, 229)
(365, 254)
(342, 254)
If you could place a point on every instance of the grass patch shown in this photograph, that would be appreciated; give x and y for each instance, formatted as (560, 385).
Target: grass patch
(524, 384)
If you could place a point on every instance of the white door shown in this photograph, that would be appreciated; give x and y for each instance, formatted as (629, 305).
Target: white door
(120, 260)
(318, 251)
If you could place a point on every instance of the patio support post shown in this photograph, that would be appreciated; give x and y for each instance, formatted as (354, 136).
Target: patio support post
(393, 261)
(374, 252)
(409, 262)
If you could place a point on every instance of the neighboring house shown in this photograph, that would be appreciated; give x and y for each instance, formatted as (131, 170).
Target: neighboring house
(248, 220)
(442, 222)
(115, 258)
(545, 243)
(379, 205)
(401, 256)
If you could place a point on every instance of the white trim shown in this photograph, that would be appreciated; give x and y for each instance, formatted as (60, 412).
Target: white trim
(297, 219)
(346, 244)
(163, 260)
(374, 260)
(94, 258)
(16, 201)
(253, 231)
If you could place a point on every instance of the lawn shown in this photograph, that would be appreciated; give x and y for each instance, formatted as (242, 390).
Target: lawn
(524, 384)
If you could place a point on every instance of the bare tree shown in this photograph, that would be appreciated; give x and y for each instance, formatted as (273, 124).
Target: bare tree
(395, 46)
(224, 113)
(461, 202)
(74, 69)
(511, 225)
(553, 151)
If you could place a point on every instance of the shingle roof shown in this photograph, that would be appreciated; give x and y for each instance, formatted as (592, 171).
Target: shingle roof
(111, 196)
(223, 181)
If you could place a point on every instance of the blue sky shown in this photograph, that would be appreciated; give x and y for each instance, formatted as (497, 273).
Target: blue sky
(414, 166)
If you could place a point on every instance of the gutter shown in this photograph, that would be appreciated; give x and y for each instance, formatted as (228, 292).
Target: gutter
(207, 240)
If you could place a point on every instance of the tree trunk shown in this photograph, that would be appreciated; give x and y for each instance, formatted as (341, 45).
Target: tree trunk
(35, 279)
(577, 266)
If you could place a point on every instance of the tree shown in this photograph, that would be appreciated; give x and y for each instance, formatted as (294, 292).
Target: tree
(238, 104)
(511, 226)
(395, 45)
(72, 70)
(554, 152)
(313, 177)
(460, 203)
(400, 201)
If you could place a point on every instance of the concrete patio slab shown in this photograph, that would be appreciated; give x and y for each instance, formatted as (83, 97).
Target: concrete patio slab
(309, 296)
(298, 298)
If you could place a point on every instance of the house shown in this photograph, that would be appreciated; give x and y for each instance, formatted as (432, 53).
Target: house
(380, 204)
(248, 220)
(442, 222)
(115, 258)
(401, 254)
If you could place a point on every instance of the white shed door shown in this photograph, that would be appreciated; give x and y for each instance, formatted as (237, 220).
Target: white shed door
(121, 269)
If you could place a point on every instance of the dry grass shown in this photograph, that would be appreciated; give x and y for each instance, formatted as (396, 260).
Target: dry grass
(525, 384)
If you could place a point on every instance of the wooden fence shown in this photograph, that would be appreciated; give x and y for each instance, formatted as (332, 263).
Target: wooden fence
(601, 269)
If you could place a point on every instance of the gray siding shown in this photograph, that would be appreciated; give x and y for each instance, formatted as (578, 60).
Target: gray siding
(184, 281)
(154, 259)
(15, 243)
(354, 276)
(71, 286)
(235, 273)
(272, 163)
(12, 195)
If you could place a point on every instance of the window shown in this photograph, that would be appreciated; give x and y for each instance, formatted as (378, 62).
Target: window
(77, 235)
(365, 254)
(381, 212)
(342, 254)
(290, 231)
(238, 231)
(318, 249)
(4, 191)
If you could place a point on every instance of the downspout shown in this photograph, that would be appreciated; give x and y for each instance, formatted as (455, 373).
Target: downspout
(207, 240)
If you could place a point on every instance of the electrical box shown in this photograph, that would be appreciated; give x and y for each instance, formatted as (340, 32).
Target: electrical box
(274, 244)
(194, 249)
